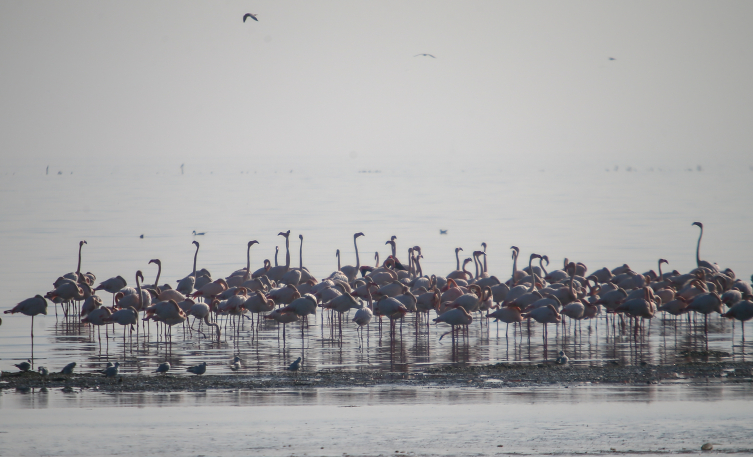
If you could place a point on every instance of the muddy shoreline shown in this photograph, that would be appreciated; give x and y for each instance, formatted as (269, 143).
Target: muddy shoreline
(488, 376)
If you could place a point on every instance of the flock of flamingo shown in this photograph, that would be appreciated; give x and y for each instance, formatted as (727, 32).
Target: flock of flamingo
(392, 289)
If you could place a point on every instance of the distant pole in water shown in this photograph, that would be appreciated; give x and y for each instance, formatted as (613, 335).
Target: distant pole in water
(47, 171)
(181, 168)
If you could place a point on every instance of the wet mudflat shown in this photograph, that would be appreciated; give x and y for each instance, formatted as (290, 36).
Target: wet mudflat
(383, 420)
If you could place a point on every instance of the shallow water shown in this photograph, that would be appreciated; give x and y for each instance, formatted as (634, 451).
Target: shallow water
(655, 420)
(618, 217)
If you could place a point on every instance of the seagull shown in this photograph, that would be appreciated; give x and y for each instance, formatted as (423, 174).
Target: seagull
(112, 371)
(24, 366)
(612, 58)
(163, 368)
(198, 369)
(199, 234)
(43, 371)
(68, 369)
(442, 232)
(425, 55)
(236, 365)
(295, 365)
(249, 15)
(562, 359)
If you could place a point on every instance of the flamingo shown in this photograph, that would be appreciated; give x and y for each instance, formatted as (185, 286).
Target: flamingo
(350, 271)
(238, 277)
(741, 311)
(125, 316)
(699, 262)
(544, 315)
(97, 318)
(276, 273)
(454, 317)
(282, 317)
(158, 262)
(186, 285)
(30, 307)
(201, 311)
(508, 315)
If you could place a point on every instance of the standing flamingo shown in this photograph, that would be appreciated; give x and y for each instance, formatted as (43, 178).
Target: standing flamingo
(275, 273)
(185, 286)
(350, 271)
(699, 262)
(30, 307)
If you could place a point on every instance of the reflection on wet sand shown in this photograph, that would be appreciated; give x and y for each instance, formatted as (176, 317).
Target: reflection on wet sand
(324, 344)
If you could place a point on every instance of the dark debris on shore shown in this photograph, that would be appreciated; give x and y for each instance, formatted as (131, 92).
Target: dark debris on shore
(500, 375)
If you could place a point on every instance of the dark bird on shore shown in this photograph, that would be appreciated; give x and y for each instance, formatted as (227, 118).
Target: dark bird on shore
(163, 368)
(24, 366)
(295, 365)
(112, 371)
(68, 369)
(198, 369)
(425, 55)
(249, 15)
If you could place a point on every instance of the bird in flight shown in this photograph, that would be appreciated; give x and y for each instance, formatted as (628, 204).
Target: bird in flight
(612, 58)
(249, 15)
(425, 55)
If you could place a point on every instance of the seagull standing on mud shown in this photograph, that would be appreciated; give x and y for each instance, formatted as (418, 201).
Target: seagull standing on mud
(295, 365)
(163, 368)
(249, 15)
(198, 369)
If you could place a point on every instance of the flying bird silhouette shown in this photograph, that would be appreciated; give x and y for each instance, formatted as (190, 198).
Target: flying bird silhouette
(612, 58)
(249, 15)
(425, 55)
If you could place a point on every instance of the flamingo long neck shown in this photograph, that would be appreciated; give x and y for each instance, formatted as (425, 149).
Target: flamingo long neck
(78, 269)
(572, 278)
(287, 252)
(138, 291)
(159, 272)
(467, 273)
(457, 259)
(514, 265)
(419, 271)
(277, 250)
(300, 256)
(376, 257)
(698, 248)
(485, 269)
(475, 263)
(394, 248)
(541, 265)
(248, 260)
(195, 256)
(212, 324)
(358, 260)
(533, 275)
(338, 259)
(661, 276)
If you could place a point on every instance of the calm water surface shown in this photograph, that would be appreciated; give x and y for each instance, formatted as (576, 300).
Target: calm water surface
(598, 217)
(655, 420)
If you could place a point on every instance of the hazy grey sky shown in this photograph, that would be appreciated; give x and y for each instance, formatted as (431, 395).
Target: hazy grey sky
(117, 83)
